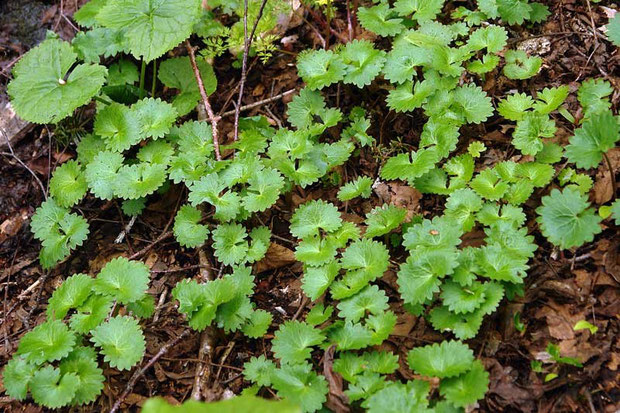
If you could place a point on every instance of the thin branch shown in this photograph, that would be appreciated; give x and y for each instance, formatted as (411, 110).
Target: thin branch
(256, 104)
(205, 100)
(247, 42)
(207, 339)
(139, 373)
(12, 154)
(594, 31)
(126, 230)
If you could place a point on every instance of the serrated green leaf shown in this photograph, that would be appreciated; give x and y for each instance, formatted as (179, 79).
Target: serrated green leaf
(380, 19)
(549, 99)
(519, 65)
(423, 10)
(514, 107)
(294, 340)
(121, 341)
(83, 363)
(461, 299)
(68, 184)
(71, 294)
(263, 191)
(312, 217)
(187, 229)
(596, 136)
(613, 30)
(529, 130)
(361, 187)
(16, 377)
(101, 174)
(316, 280)
(565, 219)
(420, 276)
(462, 206)
(119, 126)
(467, 388)
(308, 110)
(446, 359)
(381, 220)
(363, 62)
(229, 241)
(300, 385)
(97, 42)
(258, 323)
(49, 341)
(320, 68)
(123, 72)
(152, 27)
(90, 314)
(51, 389)
(156, 117)
(369, 300)
(259, 370)
(126, 281)
(139, 180)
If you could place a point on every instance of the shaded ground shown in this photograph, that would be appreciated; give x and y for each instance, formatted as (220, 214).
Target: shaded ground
(561, 288)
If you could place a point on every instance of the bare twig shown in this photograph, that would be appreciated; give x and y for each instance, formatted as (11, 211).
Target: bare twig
(139, 373)
(160, 304)
(37, 301)
(205, 100)
(126, 230)
(247, 42)
(256, 104)
(163, 236)
(207, 340)
(12, 154)
(594, 31)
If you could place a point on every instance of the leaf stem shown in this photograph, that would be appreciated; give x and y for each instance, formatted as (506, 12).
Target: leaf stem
(154, 86)
(102, 100)
(142, 76)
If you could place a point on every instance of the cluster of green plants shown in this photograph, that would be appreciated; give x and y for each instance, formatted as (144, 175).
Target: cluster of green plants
(142, 143)
(57, 362)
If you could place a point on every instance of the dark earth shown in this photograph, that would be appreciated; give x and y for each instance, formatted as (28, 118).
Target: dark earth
(561, 289)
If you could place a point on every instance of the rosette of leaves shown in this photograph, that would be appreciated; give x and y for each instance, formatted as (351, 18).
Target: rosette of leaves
(55, 364)
(224, 301)
(597, 135)
(520, 66)
(59, 231)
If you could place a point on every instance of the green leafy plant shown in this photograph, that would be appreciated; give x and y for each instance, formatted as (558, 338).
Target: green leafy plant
(430, 66)
(566, 220)
(239, 404)
(54, 361)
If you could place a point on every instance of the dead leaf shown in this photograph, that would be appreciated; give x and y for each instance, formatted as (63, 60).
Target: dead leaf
(603, 188)
(400, 195)
(277, 256)
(337, 401)
(559, 320)
(404, 324)
(505, 391)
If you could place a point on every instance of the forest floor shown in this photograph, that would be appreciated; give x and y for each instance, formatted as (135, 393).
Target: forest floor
(561, 288)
